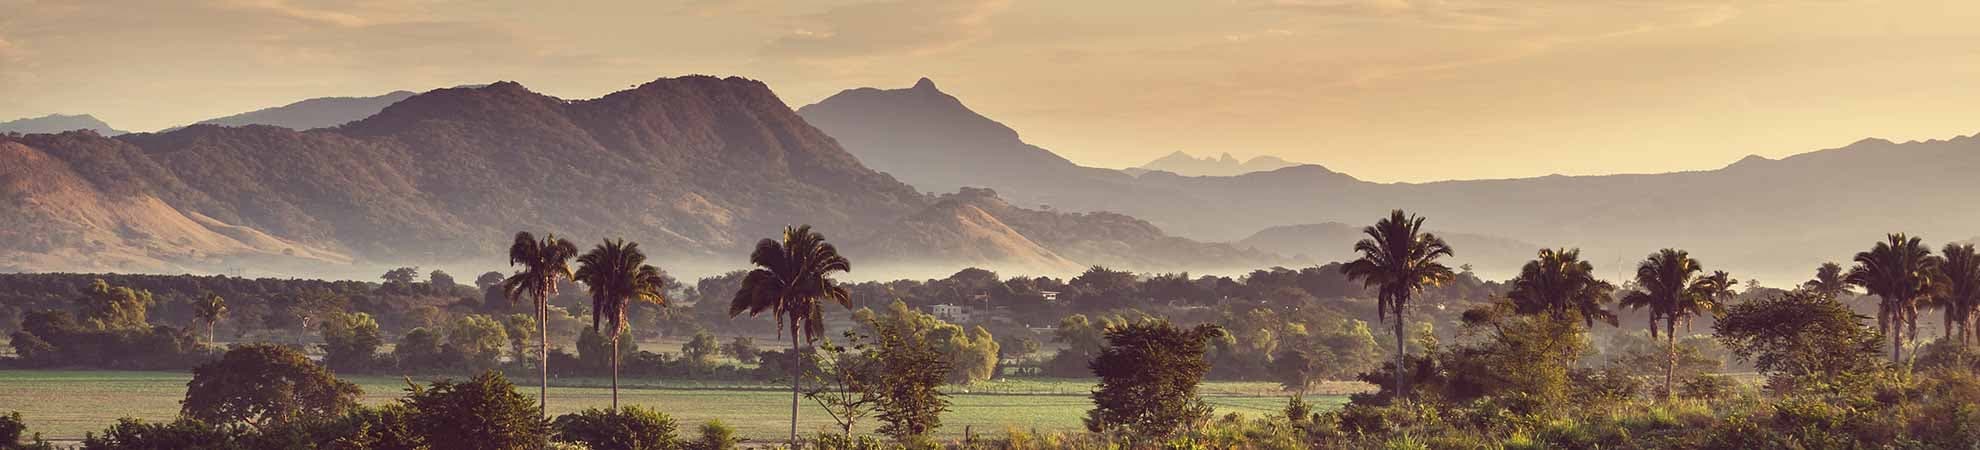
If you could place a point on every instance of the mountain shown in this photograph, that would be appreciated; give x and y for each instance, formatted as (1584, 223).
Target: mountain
(314, 113)
(1759, 218)
(695, 168)
(56, 123)
(1224, 165)
(1323, 243)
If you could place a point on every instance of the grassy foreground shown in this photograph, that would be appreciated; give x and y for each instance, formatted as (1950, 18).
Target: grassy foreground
(62, 405)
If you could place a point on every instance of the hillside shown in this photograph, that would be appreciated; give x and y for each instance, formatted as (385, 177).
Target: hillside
(56, 123)
(1771, 219)
(314, 113)
(695, 168)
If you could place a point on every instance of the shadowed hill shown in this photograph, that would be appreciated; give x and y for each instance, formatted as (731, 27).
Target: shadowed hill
(314, 113)
(56, 123)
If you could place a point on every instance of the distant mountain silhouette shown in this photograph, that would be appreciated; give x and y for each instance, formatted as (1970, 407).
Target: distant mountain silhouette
(1224, 165)
(56, 123)
(696, 168)
(314, 113)
(1772, 219)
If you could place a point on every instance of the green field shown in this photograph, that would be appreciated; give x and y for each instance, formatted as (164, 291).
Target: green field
(63, 405)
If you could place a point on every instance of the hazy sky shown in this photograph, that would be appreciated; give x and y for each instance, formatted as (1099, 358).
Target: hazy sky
(1387, 90)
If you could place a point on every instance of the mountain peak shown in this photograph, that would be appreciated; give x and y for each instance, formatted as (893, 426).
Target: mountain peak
(925, 84)
(56, 123)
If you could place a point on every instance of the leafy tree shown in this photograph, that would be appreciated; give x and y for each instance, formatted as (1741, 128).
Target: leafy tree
(630, 428)
(184, 433)
(351, 341)
(1958, 289)
(1898, 271)
(419, 348)
(521, 330)
(1149, 373)
(543, 262)
(263, 384)
(489, 279)
(402, 276)
(441, 281)
(476, 341)
(210, 309)
(617, 275)
(1798, 335)
(845, 383)
(12, 431)
(1398, 259)
(1669, 286)
(700, 350)
(483, 413)
(1559, 283)
(743, 348)
(790, 280)
(908, 373)
(111, 308)
(1019, 347)
(1829, 280)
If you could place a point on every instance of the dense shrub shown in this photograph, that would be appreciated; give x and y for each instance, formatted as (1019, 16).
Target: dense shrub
(629, 428)
(483, 413)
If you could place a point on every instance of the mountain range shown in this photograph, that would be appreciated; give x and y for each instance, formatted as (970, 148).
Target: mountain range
(56, 123)
(1759, 217)
(1224, 165)
(695, 168)
(314, 113)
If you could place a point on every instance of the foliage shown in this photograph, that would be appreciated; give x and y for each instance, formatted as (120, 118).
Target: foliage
(700, 350)
(906, 373)
(971, 356)
(715, 435)
(484, 412)
(1398, 259)
(743, 349)
(265, 384)
(134, 434)
(1559, 283)
(845, 383)
(13, 434)
(790, 279)
(350, 342)
(1798, 336)
(629, 428)
(1148, 373)
(476, 342)
(1898, 270)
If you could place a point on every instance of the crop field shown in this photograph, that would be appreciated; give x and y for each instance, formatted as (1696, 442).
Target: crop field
(62, 405)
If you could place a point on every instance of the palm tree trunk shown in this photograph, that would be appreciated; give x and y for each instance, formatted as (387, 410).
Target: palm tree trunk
(1671, 367)
(797, 368)
(210, 325)
(543, 351)
(1402, 352)
(615, 371)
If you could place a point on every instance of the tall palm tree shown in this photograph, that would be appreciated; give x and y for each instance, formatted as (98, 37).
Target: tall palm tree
(1716, 290)
(210, 309)
(790, 279)
(1829, 281)
(1669, 286)
(1398, 259)
(543, 262)
(1959, 288)
(1898, 271)
(1559, 283)
(617, 274)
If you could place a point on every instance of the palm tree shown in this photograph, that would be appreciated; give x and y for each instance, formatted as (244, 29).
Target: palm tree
(543, 263)
(790, 279)
(1715, 289)
(210, 309)
(1669, 286)
(1559, 283)
(1829, 281)
(1398, 259)
(1959, 288)
(1898, 271)
(617, 274)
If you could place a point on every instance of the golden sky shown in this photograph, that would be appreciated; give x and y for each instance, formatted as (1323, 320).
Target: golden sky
(1386, 90)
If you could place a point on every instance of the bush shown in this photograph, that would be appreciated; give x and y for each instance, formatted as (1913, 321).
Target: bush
(629, 428)
(12, 429)
(485, 412)
(134, 434)
(1707, 387)
(715, 435)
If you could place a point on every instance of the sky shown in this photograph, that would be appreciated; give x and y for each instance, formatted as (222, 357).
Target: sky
(1385, 90)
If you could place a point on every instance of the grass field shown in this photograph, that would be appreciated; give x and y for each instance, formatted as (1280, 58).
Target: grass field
(62, 405)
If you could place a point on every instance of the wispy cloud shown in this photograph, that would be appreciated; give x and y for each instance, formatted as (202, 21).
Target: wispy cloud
(882, 28)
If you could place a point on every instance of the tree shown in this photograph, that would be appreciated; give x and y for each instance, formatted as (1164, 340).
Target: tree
(1149, 373)
(210, 309)
(476, 341)
(483, 413)
(441, 281)
(351, 341)
(1559, 283)
(419, 348)
(1668, 285)
(521, 329)
(543, 263)
(1398, 259)
(908, 373)
(402, 276)
(700, 350)
(1898, 271)
(631, 428)
(1829, 280)
(263, 384)
(844, 387)
(790, 280)
(114, 308)
(1958, 288)
(743, 349)
(616, 274)
(1798, 335)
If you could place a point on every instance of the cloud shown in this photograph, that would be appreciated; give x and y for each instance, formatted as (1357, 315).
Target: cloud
(286, 9)
(886, 28)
